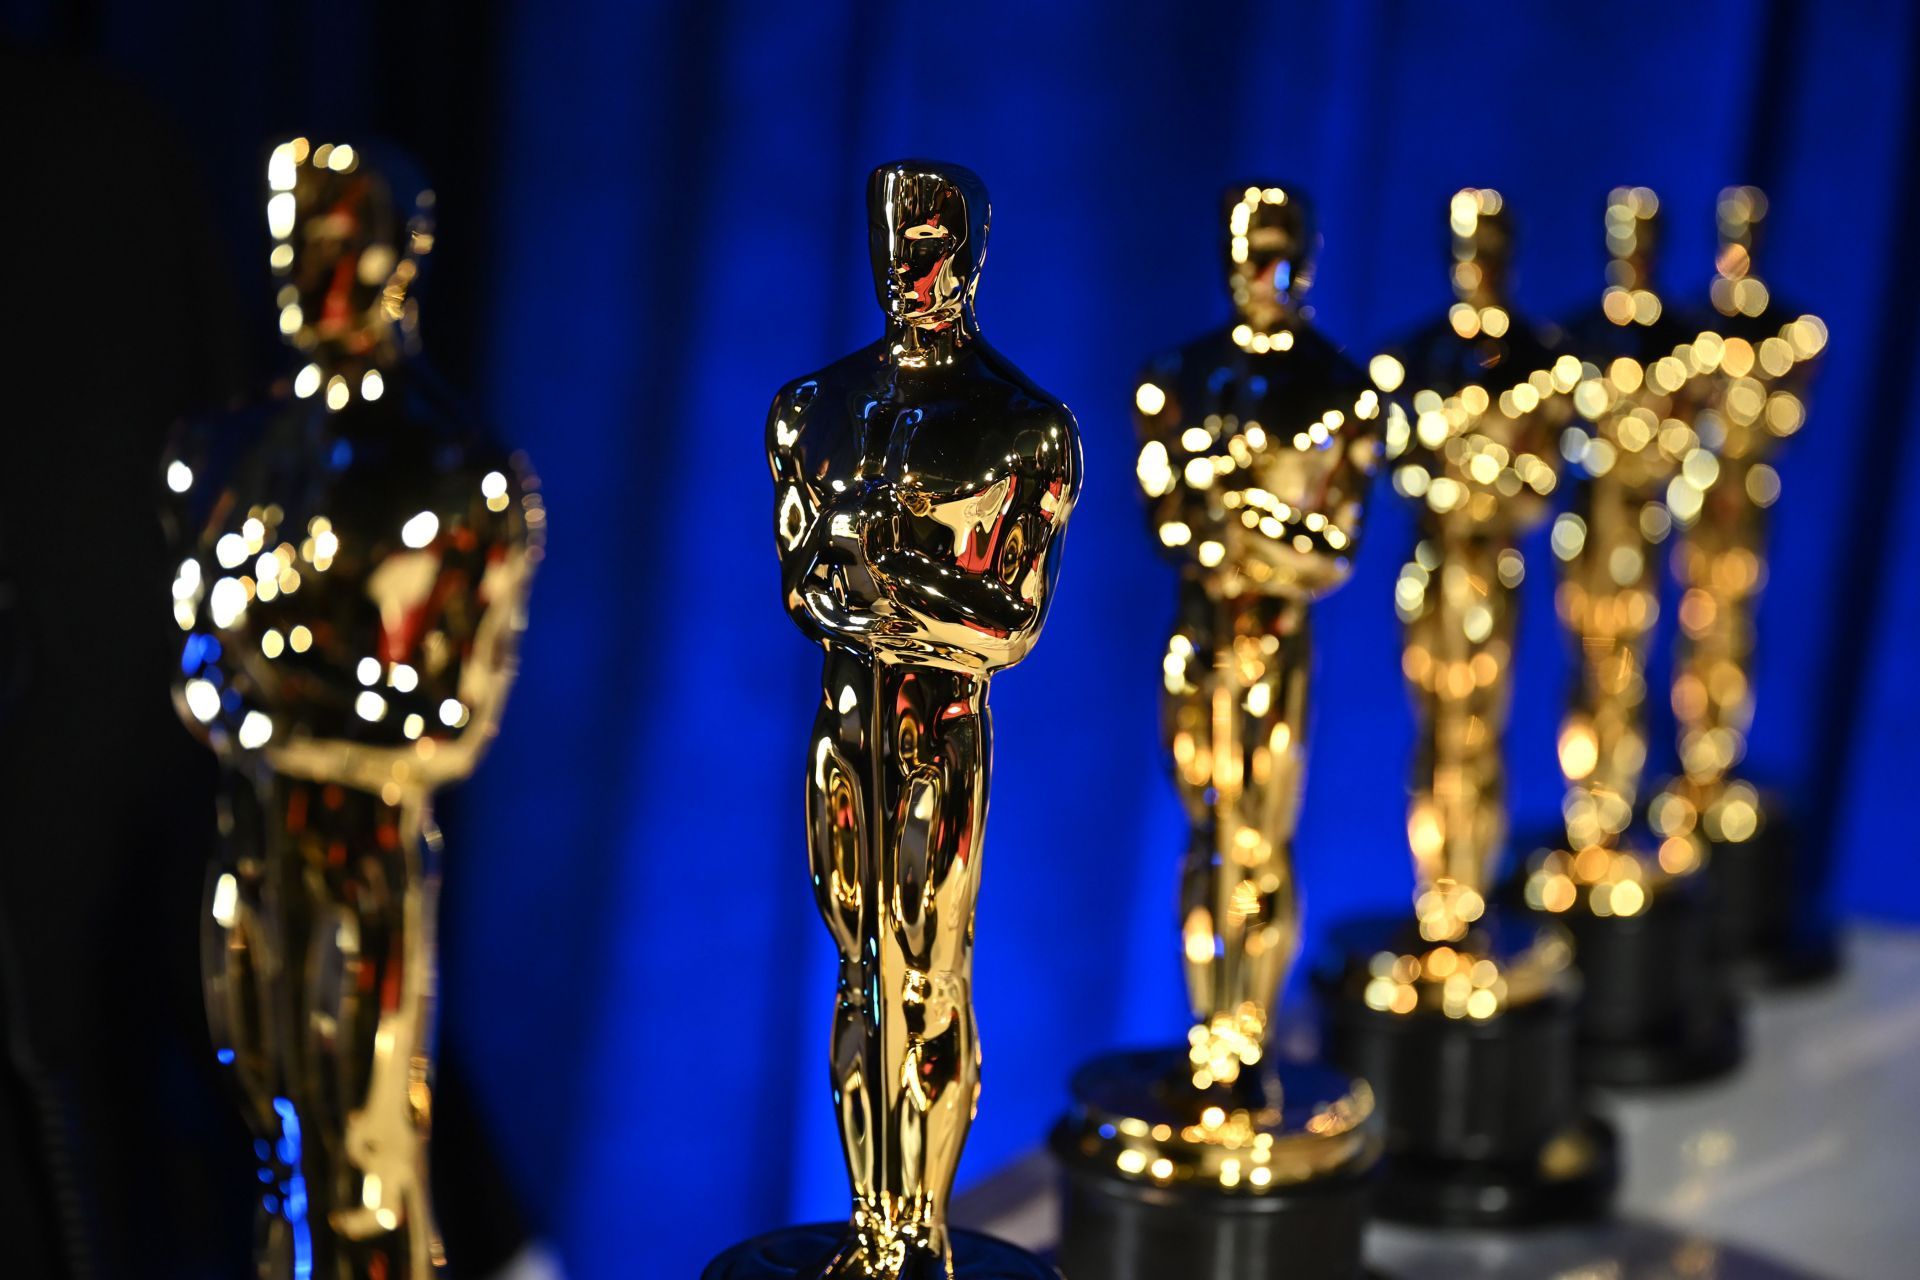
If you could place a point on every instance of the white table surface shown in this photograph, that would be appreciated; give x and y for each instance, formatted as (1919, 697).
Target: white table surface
(1805, 1165)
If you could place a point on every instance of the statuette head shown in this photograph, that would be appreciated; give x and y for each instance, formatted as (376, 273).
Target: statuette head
(927, 235)
(1271, 243)
(1482, 235)
(350, 229)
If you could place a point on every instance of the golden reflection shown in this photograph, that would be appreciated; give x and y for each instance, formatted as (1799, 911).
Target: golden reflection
(1258, 442)
(922, 486)
(1466, 980)
(348, 575)
(1488, 394)
(1753, 395)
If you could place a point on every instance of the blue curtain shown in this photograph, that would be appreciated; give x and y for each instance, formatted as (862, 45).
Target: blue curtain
(671, 197)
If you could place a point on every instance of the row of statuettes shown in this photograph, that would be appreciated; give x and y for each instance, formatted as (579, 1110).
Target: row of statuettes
(1463, 1036)
(355, 558)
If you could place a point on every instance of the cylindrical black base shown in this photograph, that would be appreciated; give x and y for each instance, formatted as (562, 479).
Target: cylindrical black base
(1571, 1179)
(809, 1253)
(1658, 1008)
(1113, 1229)
(1485, 1122)
(1192, 1220)
(1770, 915)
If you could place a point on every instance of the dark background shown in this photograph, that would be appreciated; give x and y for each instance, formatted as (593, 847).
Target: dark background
(651, 217)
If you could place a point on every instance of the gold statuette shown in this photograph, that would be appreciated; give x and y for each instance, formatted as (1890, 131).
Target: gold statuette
(1255, 490)
(1461, 1015)
(1258, 443)
(1758, 361)
(352, 591)
(1488, 398)
(1637, 396)
(921, 488)
(1658, 1009)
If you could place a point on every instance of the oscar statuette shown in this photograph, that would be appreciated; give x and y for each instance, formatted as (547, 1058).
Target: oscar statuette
(357, 556)
(921, 489)
(1215, 1159)
(1658, 1009)
(1464, 1016)
(1774, 923)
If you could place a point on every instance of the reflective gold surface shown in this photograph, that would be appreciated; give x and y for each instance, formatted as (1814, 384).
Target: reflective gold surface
(1754, 397)
(356, 568)
(921, 488)
(1474, 976)
(1258, 443)
(1488, 394)
(1297, 1123)
(1637, 398)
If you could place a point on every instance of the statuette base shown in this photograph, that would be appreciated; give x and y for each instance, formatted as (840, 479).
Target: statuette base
(1495, 1195)
(1466, 1144)
(1280, 1186)
(1125, 1231)
(1773, 929)
(810, 1252)
(1658, 1008)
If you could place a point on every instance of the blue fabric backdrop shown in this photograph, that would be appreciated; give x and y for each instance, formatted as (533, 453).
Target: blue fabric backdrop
(671, 198)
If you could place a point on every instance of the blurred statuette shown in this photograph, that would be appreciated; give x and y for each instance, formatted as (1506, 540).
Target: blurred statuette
(1657, 1006)
(1461, 1014)
(355, 565)
(1773, 920)
(1225, 1156)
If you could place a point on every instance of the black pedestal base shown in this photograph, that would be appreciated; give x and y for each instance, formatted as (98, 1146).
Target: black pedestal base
(1485, 1122)
(1771, 921)
(808, 1253)
(1119, 1230)
(1439, 1192)
(1191, 1221)
(1658, 1007)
